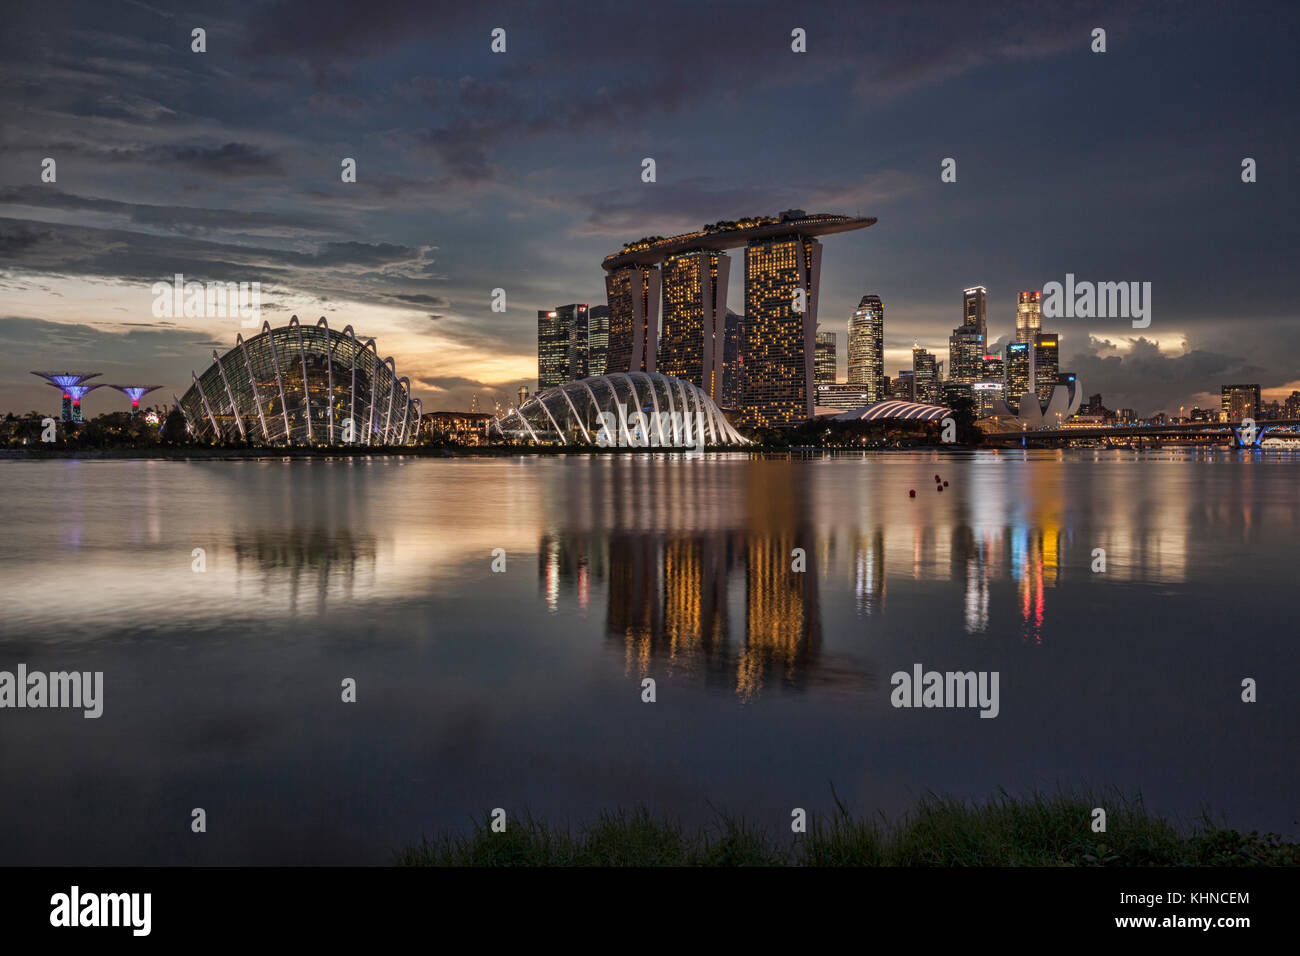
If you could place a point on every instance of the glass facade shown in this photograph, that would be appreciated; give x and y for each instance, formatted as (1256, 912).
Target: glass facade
(302, 385)
(824, 363)
(1047, 365)
(867, 347)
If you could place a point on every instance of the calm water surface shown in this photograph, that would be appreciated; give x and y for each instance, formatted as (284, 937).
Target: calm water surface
(522, 689)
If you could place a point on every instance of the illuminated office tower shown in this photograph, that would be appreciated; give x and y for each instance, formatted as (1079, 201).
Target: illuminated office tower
(562, 345)
(779, 341)
(973, 310)
(633, 293)
(965, 355)
(1019, 371)
(867, 347)
(73, 387)
(993, 368)
(522, 394)
(1046, 365)
(925, 376)
(903, 386)
(597, 340)
(135, 393)
(1029, 316)
(552, 349)
(575, 319)
(1238, 402)
(824, 362)
(694, 318)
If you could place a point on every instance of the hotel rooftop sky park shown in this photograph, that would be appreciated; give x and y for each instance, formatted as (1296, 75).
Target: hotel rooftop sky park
(690, 271)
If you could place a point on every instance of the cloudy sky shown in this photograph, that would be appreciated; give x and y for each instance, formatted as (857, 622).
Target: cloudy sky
(521, 170)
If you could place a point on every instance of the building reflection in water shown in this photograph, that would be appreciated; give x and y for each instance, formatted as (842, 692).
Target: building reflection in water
(311, 559)
(671, 594)
(696, 562)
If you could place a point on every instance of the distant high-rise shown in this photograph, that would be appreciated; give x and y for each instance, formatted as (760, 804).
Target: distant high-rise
(1018, 371)
(993, 369)
(575, 317)
(731, 360)
(965, 354)
(1046, 365)
(1239, 401)
(780, 341)
(974, 310)
(561, 345)
(824, 362)
(1029, 316)
(597, 339)
(552, 349)
(694, 318)
(925, 376)
(867, 347)
(903, 386)
(522, 395)
(633, 293)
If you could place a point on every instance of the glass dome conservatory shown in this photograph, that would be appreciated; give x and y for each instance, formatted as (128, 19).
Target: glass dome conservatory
(302, 385)
(621, 409)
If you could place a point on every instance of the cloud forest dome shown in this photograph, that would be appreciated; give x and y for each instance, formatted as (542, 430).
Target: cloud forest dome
(676, 414)
(302, 385)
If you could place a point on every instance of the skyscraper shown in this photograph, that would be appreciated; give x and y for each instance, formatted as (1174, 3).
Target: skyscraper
(633, 293)
(973, 310)
(824, 363)
(1046, 365)
(1239, 401)
(694, 318)
(552, 349)
(965, 354)
(561, 345)
(867, 347)
(1018, 370)
(993, 369)
(1029, 318)
(925, 376)
(903, 386)
(597, 339)
(779, 341)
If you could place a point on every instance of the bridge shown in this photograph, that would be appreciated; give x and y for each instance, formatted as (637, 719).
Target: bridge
(1203, 432)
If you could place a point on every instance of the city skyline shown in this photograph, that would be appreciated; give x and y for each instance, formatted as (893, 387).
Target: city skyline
(467, 180)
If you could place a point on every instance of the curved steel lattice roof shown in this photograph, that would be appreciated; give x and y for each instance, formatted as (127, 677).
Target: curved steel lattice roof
(895, 410)
(302, 385)
(621, 409)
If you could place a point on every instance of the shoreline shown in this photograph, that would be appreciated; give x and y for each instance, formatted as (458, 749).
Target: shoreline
(940, 831)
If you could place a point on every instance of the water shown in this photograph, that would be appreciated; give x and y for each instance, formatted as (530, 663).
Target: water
(522, 689)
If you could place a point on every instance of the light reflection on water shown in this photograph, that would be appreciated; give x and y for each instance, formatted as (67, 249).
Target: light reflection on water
(478, 687)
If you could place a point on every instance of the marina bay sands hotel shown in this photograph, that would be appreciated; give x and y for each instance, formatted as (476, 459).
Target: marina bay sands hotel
(778, 341)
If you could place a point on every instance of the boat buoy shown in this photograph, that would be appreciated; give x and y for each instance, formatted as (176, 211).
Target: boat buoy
(912, 493)
(938, 487)
(945, 484)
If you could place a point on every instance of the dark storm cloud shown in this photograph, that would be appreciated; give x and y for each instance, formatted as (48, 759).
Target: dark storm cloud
(184, 219)
(522, 169)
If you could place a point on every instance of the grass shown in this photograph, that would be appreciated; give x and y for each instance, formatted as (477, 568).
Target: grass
(1038, 830)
